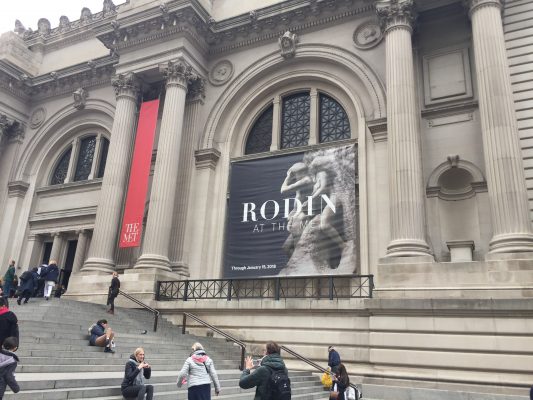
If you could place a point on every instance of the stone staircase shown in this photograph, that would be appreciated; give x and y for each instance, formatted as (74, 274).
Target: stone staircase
(56, 361)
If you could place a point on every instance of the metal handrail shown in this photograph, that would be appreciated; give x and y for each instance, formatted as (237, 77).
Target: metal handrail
(146, 306)
(312, 363)
(215, 329)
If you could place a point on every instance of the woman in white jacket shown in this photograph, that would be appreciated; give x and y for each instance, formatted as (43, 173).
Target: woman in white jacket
(199, 371)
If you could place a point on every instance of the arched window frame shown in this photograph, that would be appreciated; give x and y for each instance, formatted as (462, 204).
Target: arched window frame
(74, 145)
(276, 100)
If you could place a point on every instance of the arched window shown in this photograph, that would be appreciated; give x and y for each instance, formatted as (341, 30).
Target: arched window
(305, 118)
(84, 159)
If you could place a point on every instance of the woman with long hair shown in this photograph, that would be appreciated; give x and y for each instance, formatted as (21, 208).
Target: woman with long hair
(341, 381)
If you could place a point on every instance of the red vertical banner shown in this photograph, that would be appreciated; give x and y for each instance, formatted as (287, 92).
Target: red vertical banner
(130, 233)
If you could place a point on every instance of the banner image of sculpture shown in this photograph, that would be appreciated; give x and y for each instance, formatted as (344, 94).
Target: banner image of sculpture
(293, 214)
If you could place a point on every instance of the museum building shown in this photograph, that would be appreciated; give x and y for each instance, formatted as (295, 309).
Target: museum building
(304, 138)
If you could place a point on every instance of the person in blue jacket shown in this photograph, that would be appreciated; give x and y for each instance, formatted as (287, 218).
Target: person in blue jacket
(334, 359)
(102, 335)
(51, 275)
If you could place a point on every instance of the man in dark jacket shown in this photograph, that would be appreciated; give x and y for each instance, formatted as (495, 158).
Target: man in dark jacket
(8, 364)
(113, 293)
(334, 359)
(8, 323)
(50, 278)
(28, 284)
(260, 378)
(9, 277)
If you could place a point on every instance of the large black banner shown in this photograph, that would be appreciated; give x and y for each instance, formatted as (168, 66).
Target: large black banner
(293, 214)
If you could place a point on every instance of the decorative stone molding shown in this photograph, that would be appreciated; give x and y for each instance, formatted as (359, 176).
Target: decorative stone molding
(126, 85)
(17, 189)
(12, 129)
(206, 158)
(196, 91)
(287, 44)
(221, 73)
(86, 15)
(178, 73)
(43, 27)
(396, 14)
(378, 129)
(367, 35)
(80, 98)
(109, 7)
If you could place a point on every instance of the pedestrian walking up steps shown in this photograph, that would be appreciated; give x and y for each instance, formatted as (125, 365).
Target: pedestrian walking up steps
(56, 361)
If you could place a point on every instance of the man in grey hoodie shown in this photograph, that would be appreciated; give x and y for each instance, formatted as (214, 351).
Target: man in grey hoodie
(8, 364)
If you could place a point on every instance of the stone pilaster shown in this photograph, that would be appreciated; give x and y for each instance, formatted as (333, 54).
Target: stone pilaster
(195, 99)
(505, 173)
(159, 222)
(57, 244)
(407, 212)
(104, 240)
(81, 248)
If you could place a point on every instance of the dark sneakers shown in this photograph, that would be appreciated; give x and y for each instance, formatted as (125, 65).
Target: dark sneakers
(109, 350)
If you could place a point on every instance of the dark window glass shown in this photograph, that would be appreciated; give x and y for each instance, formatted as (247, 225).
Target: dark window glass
(60, 173)
(334, 124)
(104, 147)
(295, 120)
(260, 137)
(85, 159)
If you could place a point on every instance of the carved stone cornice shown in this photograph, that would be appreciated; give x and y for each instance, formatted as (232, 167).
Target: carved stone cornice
(394, 14)
(126, 85)
(378, 129)
(475, 5)
(17, 189)
(206, 158)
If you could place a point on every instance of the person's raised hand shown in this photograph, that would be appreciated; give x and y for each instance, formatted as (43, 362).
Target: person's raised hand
(249, 362)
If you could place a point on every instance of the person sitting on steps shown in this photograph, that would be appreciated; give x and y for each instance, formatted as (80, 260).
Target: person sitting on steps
(133, 386)
(102, 336)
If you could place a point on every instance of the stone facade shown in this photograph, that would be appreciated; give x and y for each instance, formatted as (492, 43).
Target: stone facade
(437, 94)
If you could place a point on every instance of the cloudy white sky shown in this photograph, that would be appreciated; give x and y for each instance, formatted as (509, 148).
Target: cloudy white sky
(29, 11)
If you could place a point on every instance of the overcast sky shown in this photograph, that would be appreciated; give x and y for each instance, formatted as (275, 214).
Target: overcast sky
(29, 11)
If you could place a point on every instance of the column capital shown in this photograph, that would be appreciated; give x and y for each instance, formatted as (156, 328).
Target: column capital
(396, 14)
(178, 73)
(475, 5)
(12, 129)
(196, 91)
(126, 85)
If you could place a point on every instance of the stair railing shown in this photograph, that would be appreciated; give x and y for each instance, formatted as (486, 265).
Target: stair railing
(316, 366)
(215, 329)
(145, 306)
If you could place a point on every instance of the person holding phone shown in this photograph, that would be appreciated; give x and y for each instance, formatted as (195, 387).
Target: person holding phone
(135, 373)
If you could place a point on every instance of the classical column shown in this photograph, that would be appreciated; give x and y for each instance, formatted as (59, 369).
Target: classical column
(80, 250)
(314, 128)
(505, 173)
(276, 123)
(407, 214)
(104, 240)
(163, 194)
(56, 246)
(195, 99)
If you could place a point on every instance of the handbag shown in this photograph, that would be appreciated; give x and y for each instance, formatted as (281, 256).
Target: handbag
(326, 380)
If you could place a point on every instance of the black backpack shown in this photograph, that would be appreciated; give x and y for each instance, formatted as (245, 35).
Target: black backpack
(280, 386)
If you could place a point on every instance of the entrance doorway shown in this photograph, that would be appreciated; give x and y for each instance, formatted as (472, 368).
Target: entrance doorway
(66, 271)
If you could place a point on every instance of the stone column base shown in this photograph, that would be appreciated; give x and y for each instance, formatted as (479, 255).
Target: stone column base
(153, 261)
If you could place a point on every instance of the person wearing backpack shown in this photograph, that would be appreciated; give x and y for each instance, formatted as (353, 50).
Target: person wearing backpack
(28, 284)
(271, 379)
(198, 371)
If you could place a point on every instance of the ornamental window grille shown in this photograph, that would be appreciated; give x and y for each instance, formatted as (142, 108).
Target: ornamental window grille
(334, 123)
(295, 113)
(61, 170)
(295, 120)
(83, 160)
(260, 137)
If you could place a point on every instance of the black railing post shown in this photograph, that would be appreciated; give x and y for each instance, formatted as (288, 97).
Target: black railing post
(184, 324)
(370, 285)
(330, 288)
(243, 350)
(156, 318)
(186, 291)
(277, 288)
(230, 289)
(157, 290)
